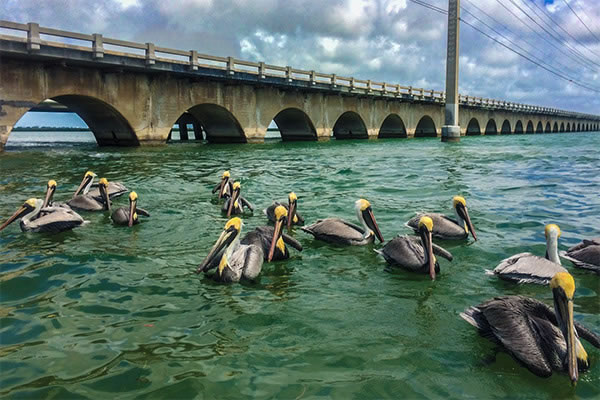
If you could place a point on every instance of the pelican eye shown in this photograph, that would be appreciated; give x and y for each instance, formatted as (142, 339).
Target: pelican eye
(459, 199)
(427, 222)
(565, 281)
(552, 228)
(133, 196)
(280, 212)
(234, 222)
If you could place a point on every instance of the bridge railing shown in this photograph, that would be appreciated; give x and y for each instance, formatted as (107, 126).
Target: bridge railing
(99, 45)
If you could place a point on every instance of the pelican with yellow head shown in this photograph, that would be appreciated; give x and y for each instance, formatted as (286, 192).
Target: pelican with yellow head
(529, 268)
(87, 202)
(231, 259)
(447, 228)
(224, 187)
(338, 231)
(539, 337)
(129, 215)
(415, 253)
(88, 187)
(53, 220)
(236, 204)
(292, 217)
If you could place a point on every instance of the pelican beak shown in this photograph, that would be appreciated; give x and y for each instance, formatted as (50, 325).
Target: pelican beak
(276, 235)
(464, 213)
(104, 194)
(226, 237)
(223, 182)
(371, 223)
(291, 213)
(232, 200)
(564, 311)
(84, 182)
(18, 214)
(49, 193)
(429, 249)
(132, 207)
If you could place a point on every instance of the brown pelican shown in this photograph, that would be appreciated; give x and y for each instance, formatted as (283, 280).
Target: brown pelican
(87, 186)
(50, 189)
(413, 253)
(87, 202)
(541, 339)
(54, 219)
(224, 187)
(272, 240)
(338, 231)
(529, 268)
(585, 254)
(129, 215)
(446, 228)
(292, 218)
(236, 203)
(233, 260)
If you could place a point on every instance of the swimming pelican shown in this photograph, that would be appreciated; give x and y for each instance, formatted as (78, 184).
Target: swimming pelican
(446, 228)
(87, 186)
(529, 268)
(129, 215)
(50, 189)
(338, 231)
(272, 240)
(413, 253)
(54, 219)
(87, 202)
(233, 259)
(292, 218)
(585, 254)
(541, 339)
(224, 187)
(236, 203)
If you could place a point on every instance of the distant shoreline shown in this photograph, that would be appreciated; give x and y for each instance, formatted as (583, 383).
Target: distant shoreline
(49, 129)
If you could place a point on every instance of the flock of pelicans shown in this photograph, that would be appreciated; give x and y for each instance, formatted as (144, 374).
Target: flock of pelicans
(540, 338)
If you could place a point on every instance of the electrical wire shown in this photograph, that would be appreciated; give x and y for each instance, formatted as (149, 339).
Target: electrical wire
(580, 20)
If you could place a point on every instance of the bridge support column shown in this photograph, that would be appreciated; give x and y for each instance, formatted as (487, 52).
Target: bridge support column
(373, 133)
(451, 129)
(4, 132)
(323, 134)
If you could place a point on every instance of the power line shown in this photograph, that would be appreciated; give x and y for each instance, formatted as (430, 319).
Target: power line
(558, 74)
(580, 20)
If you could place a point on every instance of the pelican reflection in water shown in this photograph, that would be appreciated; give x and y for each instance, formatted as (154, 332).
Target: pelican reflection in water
(129, 215)
(529, 268)
(53, 219)
(542, 339)
(415, 253)
(338, 231)
(585, 255)
(233, 260)
(447, 228)
(292, 218)
(88, 202)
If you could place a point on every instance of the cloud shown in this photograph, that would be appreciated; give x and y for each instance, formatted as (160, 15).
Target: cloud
(395, 41)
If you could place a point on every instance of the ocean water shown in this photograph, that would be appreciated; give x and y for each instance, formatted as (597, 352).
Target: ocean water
(111, 312)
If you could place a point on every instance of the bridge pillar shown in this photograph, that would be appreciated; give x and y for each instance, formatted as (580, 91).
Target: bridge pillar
(451, 130)
(323, 134)
(373, 133)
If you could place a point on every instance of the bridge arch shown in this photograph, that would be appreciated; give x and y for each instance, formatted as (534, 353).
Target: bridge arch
(529, 127)
(519, 127)
(568, 126)
(350, 125)
(562, 127)
(392, 127)
(555, 127)
(505, 130)
(473, 127)
(548, 128)
(109, 126)
(217, 123)
(578, 127)
(539, 128)
(491, 128)
(425, 127)
(294, 125)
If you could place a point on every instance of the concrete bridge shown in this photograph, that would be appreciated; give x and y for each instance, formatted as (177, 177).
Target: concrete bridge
(133, 94)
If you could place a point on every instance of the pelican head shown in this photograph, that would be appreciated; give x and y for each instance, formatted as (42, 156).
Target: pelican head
(552, 233)
(50, 189)
(103, 187)
(425, 229)
(132, 208)
(230, 234)
(237, 187)
(224, 180)
(276, 240)
(85, 184)
(462, 214)
(563, 289)
(27, 207)
(291, 214)
(364, 213)
(226, 175)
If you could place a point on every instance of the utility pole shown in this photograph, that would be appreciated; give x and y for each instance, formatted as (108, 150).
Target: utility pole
(451, 128)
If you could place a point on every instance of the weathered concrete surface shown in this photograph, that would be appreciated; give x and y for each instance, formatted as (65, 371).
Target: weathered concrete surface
(130, 108)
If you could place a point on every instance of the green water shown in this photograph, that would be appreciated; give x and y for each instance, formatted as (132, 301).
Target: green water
(108, 312)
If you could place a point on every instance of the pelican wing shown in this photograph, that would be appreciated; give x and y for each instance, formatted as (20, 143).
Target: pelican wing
(527, 268)
(85, 202)
(141, 211)
(335, 230)
(246, 203)
(120, 216)
(115, 189)
(55, 219)
(437, 250)
(443, 227)
(585, 255)
(291, 242)
(270, 211)
(254, 257)
(404, 252)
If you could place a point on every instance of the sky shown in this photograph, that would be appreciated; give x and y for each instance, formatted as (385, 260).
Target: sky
(395, 41)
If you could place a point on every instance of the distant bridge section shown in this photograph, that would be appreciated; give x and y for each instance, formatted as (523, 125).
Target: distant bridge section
(133, 93)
